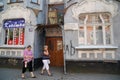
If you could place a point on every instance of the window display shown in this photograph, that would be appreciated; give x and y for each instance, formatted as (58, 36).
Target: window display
(14, 31)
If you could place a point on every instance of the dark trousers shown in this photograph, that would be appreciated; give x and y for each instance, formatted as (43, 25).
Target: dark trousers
(29, 66)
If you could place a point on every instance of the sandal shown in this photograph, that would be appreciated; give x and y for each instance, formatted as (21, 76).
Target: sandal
(50, 75)
(41, 73)
(23, 77)
(33, 77)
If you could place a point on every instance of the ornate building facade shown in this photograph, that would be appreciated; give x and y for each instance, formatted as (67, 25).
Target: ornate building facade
(74, 30)
(92, 30)
(19, 21)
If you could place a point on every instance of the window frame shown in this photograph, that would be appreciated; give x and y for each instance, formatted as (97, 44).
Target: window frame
(19, 42)
(17, 1)
(103, 24)
(38, 2)
(16, 33)
(52, 19)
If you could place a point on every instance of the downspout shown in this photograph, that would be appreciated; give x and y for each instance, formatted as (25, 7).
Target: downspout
(64, 50)
(46, 12)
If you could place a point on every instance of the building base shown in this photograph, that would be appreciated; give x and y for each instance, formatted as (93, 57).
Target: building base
(93, 67)
(17, 63)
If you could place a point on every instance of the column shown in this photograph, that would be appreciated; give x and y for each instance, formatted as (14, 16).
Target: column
(103, 29)
(85, 29)
(94, 34)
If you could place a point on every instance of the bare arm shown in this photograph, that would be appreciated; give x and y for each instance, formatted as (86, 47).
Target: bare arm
(46, 53)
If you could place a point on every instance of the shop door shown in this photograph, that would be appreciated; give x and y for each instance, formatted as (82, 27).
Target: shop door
(55, 50)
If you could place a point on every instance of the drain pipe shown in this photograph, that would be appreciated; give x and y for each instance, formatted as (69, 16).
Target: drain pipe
(64, 52)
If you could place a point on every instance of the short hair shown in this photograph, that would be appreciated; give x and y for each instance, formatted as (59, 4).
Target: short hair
(29, 46)
(45, 46)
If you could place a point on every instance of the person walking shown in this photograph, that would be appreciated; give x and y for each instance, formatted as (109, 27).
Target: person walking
(27, 62)
(46, 61)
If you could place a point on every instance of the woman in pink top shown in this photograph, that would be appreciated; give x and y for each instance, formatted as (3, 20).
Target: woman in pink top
(27, 61)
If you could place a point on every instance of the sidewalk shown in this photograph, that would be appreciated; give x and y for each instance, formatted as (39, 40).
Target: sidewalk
(15, 74)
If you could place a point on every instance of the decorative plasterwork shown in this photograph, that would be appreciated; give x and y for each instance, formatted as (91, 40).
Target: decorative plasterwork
(91, 6)
(55, 1)
(17, 11)
(71, 26)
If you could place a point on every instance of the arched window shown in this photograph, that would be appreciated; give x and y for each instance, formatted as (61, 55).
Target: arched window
(95, 29)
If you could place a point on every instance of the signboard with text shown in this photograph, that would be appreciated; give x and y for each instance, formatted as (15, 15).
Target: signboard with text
(14, 23)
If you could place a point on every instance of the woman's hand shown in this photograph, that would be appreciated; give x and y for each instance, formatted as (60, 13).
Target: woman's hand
(30, 57)
(46, 53)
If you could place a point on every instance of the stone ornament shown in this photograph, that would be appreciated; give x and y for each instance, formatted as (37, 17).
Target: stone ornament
(91, 6)
(16, 11)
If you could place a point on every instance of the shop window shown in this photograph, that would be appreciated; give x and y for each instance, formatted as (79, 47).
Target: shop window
(95, 29)
(35, 1)
(14, 31)
(14, 36)
(14, 1)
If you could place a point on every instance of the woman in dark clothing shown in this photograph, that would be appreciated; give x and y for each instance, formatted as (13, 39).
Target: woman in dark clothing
(46, 61)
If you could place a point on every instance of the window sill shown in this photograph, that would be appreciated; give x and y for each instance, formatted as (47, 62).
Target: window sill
(96, 47)
(12, 47)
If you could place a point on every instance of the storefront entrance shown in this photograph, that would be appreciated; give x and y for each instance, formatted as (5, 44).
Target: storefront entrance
(55, 50)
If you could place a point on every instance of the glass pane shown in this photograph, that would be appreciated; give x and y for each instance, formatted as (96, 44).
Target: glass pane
(10, 36)
(99, 35)
(97, 19)
(59, 45)
(82, 18)
(90, 19)
(94, 19)
(16, 36)
(6, 36)
(35, 1)
(21, 36)
(56, 14)
(89, 35)
(108, 35)
(106, 17)
(52, 17)
(16, 0)
(13, 0)
(81, 36)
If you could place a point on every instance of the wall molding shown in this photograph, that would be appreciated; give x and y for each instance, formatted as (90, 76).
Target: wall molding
(91, 6)
(18, 11)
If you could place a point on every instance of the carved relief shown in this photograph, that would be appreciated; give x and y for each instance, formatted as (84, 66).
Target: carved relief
(91, 6)
(55, 1)
(17, 11)
(71, 26)
(53, 32)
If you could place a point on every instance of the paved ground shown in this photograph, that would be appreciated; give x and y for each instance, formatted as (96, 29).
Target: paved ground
(14, 74)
